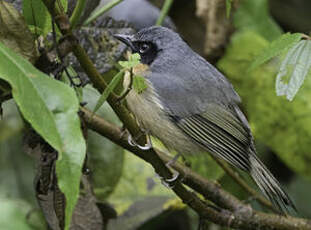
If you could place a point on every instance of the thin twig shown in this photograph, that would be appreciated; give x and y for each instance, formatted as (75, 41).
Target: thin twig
(164, 11)
(101, 11)
(76, 15)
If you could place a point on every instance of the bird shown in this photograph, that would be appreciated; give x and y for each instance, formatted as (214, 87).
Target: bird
(192, 108)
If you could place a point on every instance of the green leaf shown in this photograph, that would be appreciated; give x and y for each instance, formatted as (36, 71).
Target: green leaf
(14, 32)
(139, 84)
(51, 108)
(294, 69)
(36, 14)
(255, 16)
(100, 11)
(278, 46)
(112, 85)
(134, 60)
(228, 7)
(135, 57)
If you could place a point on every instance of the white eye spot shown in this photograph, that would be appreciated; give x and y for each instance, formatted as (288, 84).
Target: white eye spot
(144, 47)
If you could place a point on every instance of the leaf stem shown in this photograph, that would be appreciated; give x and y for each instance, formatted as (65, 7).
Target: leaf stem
(164, 11)
(101, 11)
(74, 19)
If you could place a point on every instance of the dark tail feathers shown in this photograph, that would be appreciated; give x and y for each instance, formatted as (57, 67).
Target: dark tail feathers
(269, 185)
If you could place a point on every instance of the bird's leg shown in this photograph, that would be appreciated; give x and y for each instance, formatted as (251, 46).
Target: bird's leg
(169, 164)
(167, 182)
(133, 142)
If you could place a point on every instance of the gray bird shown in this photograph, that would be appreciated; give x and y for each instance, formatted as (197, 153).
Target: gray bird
(192, 108)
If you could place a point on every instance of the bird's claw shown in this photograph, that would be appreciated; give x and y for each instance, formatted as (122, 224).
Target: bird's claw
(174, 177)
(164, 182)
(132, 142)
(168, 182)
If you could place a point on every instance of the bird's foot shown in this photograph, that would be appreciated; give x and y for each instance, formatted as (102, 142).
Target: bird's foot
(169, 182)
(133, 142)
(169, 165)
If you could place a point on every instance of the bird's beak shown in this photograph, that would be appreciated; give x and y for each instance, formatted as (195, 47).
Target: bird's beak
(126, 39)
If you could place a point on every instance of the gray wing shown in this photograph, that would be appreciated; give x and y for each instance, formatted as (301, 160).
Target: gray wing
(203, 104)
(191, 85)
(221, 133)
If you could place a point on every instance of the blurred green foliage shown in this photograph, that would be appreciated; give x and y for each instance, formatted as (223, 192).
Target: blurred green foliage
(13, 214)
(18, 207)
(254, 16)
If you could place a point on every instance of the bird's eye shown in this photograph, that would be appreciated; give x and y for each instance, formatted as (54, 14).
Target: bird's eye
(143, 48)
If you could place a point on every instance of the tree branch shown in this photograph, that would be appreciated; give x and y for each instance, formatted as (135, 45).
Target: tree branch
(232, 212)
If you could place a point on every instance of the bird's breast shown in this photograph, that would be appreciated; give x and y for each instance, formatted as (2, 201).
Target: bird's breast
(151, 115)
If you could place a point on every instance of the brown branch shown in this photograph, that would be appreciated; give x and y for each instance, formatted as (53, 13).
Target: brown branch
(233, 213)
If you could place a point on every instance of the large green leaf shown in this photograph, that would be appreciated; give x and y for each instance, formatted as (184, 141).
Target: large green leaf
(278, 46)
(254, 15)
(294, 69)
(282, 125)
(51, 108)
(36, 14)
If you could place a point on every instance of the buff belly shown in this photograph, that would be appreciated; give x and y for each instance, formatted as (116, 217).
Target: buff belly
(150, 116)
